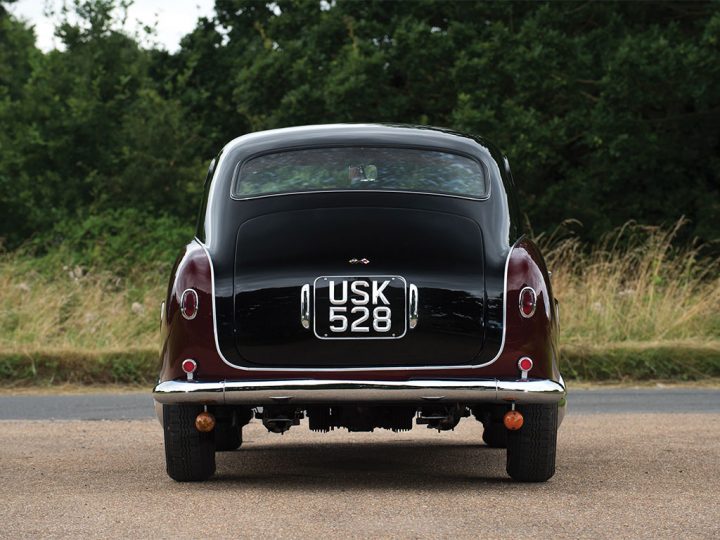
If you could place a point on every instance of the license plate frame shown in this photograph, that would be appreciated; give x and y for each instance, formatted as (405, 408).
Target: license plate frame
(395, 292)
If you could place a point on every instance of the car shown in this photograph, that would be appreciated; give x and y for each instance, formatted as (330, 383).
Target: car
(360, 277)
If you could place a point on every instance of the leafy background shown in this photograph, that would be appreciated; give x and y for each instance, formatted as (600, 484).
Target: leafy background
(609, 113)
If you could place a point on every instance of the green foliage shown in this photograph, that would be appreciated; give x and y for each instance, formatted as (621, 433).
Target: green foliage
(90, 133)
(135, 366)
(122, 242)
(608, 111)
(670, 361)
(673, 362)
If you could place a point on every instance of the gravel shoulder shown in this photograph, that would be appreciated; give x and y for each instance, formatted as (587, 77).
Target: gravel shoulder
(639, 475)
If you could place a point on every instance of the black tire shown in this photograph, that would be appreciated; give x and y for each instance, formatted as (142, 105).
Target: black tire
(227, 437)
(531, 449)
(189, 454)
(495, 434)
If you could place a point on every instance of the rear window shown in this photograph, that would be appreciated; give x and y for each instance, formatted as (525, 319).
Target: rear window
(373, 169)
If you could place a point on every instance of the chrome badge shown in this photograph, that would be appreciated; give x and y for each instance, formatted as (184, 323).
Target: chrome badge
(359, 261)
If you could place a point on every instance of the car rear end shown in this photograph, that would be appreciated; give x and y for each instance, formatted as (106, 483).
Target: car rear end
(363, 277)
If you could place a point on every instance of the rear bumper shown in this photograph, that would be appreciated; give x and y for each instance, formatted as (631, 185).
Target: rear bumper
(315, 391)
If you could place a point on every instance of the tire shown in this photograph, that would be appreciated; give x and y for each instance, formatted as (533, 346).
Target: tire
(495, 434)
(227, 437)
(189, 454)
(531, 449)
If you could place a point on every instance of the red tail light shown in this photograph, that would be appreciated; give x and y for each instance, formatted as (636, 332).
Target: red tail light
(189, 304)
(528, 302)
(525, 364)
(189, 366)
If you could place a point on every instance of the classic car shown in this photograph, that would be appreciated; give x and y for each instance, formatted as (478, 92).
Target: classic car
(359, 277)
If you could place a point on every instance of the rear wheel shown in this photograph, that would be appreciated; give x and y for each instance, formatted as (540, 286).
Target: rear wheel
(189, 454)
(495, 434)
(531, 449)
(228, 427)
(227, 437)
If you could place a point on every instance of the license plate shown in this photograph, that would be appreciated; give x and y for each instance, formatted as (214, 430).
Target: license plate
(355, 307)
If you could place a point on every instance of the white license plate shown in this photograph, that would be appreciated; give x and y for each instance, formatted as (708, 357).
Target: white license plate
(360, 307)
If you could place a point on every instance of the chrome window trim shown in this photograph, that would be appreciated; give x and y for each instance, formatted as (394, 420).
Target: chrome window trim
(316, 192)
(483, 166)
(490, 168)
(369, 368)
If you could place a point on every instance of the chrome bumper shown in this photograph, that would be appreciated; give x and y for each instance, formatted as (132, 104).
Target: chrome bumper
(315, 391)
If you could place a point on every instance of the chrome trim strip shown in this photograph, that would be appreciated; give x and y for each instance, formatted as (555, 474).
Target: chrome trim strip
(309, 391)
(305, 306)
(401, 368)
(413, 308)
(406, 192)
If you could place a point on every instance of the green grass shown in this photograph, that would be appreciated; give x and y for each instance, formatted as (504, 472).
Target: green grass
(636, 307)
(671, 361)
(663, 361)
(47, 367)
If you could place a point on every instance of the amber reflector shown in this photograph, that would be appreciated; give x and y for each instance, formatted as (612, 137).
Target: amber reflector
(205, 422)
(513, 420)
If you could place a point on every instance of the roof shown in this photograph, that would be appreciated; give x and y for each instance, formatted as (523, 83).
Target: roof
(365, 133)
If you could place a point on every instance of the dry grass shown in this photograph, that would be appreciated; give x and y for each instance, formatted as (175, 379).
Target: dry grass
(635, 286)
(70, 309)
(634, 302)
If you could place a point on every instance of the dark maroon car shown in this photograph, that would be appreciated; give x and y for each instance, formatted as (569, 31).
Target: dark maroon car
(359, 276)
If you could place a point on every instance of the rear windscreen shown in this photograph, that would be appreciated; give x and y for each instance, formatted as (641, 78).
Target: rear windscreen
(355, 168)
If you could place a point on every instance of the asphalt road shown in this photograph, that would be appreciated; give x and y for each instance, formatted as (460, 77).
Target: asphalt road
(618, 475)
(129, 406)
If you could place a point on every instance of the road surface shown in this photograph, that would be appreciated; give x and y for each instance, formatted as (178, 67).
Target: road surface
(620, 473)
(139, 405)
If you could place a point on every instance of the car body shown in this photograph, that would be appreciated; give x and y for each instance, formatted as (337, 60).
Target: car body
(362, 276)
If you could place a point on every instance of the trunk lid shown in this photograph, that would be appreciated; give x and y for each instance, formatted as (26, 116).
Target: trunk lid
(357, 262)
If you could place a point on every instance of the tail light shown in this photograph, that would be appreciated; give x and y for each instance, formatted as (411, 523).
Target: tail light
(525, 364)
(189, 304)
(189, 366)
(527, 302)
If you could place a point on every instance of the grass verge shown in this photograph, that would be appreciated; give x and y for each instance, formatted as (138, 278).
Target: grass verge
(648, 300)
(48, 367)
(671, 361)
(676, 361)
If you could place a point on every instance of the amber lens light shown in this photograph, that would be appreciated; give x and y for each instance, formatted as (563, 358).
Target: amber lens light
(205, 422)
(513, 420)
(189, 304)
(527, 302)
